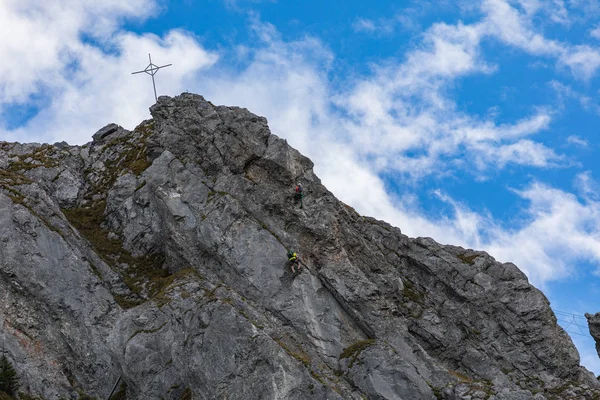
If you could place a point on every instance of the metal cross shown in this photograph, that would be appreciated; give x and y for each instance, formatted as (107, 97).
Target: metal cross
(151, 70)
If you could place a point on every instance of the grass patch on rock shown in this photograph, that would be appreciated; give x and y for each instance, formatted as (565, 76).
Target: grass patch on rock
(12, 178)
(353, 351)
(297, 354)
(409, 292)
(186, 395)
(459, 376)
(145, 276)
(470, 260)
(43, 156)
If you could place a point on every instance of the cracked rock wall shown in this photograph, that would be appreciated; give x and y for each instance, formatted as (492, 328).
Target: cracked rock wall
(159, 256)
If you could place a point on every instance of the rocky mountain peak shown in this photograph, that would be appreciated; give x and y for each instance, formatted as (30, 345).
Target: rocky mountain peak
(155, 261)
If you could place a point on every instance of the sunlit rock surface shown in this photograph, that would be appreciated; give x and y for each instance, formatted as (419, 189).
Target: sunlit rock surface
(158, 256)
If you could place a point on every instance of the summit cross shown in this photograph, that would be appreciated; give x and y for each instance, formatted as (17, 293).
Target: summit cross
(151, 70)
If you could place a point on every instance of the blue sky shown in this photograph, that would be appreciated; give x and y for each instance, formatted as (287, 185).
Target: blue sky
(473, 122)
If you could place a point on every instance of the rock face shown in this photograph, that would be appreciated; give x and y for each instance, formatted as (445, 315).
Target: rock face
(594, 326)
(158, 256)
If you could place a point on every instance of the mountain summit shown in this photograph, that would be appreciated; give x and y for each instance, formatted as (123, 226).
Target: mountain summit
(154, 262)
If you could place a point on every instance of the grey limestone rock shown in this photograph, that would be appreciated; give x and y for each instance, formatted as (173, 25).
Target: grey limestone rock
(158, 256)
(594, 326)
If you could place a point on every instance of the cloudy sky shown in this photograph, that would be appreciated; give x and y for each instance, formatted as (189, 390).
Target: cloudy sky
(472, 122)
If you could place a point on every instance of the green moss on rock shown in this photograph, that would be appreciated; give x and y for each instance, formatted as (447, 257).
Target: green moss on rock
(353, 351)
(186, 395)
(470, 260)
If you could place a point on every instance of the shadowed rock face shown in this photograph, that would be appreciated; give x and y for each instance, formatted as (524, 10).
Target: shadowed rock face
(159, 256)
(594, 326)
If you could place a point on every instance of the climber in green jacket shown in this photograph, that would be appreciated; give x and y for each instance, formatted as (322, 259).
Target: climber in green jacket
(294, 261)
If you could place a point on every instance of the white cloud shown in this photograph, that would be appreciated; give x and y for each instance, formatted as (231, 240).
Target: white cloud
(385, 26)
(588, 187)
(562, 230)
(88, 87)
(558, 12)
(102, 89)
(40, 38)
(528, 126)
(531, 7)
(588, 10)
(506, 23)
(514, 28)
(523, 152)
(595, 33)
(583, 60)
(404, 109)
(576, 140)
(364, 25)
(565, 92)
